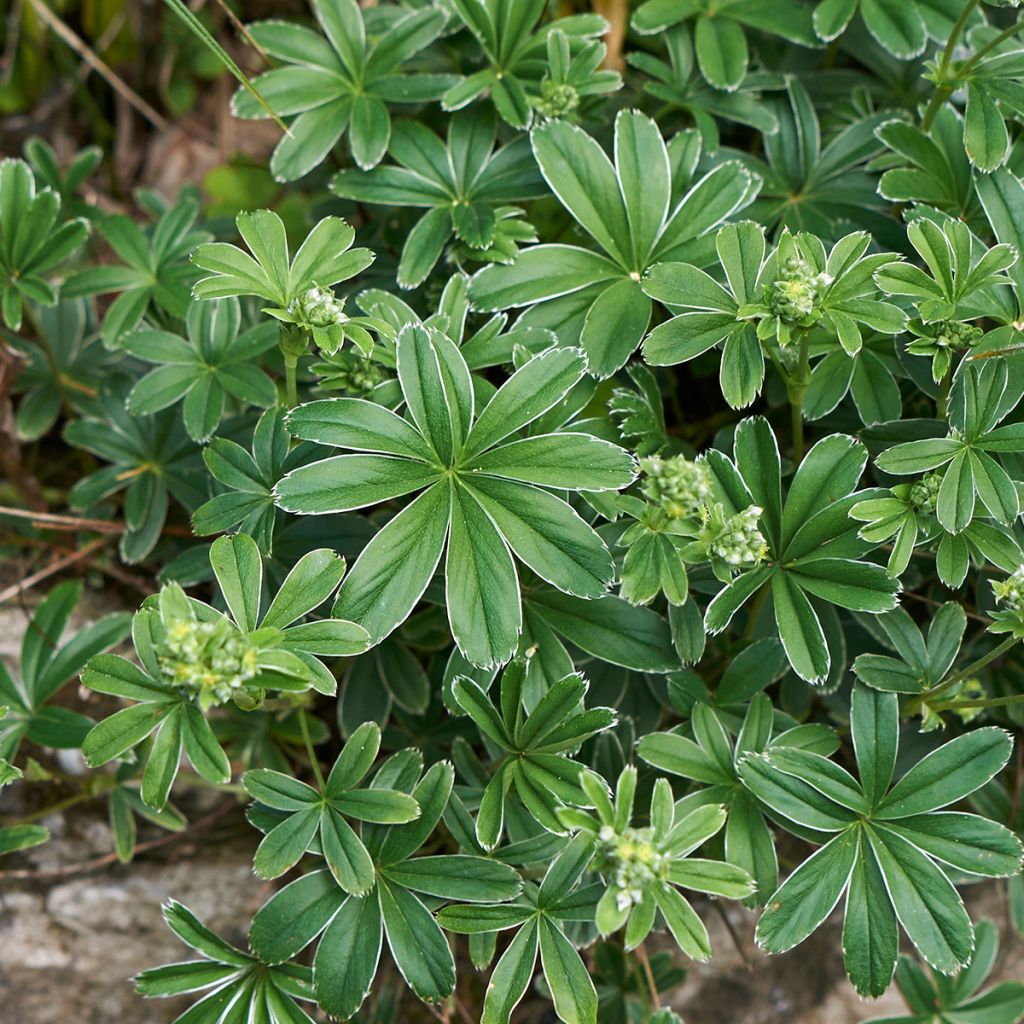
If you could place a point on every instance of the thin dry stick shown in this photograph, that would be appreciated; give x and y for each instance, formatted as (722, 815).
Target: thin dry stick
(54, 567)
(641, 955)
(118, 84)
(242, 30)
(52, 521)
(616, 12)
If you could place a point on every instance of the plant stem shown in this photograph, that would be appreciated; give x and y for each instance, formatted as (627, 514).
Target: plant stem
(975, 666)
(990, 46)
(797, 389)
(290, 388)
(293, 344)
(981, 702)
(942, 90)
(314, 763)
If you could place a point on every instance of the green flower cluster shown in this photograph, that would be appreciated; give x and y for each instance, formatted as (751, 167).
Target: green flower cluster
(735, 540)
(938, 341)
(350, 372)
(318, 308)
(631, 861)
(679, 485)
(557, 99)
(1010, 592)
(211, 661)
(925, 492)
(795, 295)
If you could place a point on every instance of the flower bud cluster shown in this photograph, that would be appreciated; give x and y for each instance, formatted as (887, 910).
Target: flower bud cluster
(925, 492)
(1010, 592)
(209, 660)
(680, 486)
(952, 334)
(632, 862)
(735, 539)
(795, 295)
(557, 99)
(357, 375)
(318, 308)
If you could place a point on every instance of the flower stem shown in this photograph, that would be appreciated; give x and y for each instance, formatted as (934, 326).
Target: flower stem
(943, 90)
(798, 383)
(981, 702)
(290, 388)
(313, 761)
(990, 46)
(975, 666)
(293, 344)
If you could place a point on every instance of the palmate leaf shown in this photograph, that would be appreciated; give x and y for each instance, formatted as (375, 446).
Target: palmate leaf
(339, 81)
(253, 988)
(892, 847)
(637, 213)
(462, 182)
(202, 371)
(973, 482)
(481, 496)
(32, 242)
(959, 998)
(712, 758)
(45, 666)
(313, 812)
(515, 47)
(540, 916)
(535, 767)
(153, 278)
(352, 929)
(815, 554)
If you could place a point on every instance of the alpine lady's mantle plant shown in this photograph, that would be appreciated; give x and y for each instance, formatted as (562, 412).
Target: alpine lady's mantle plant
(660, 543)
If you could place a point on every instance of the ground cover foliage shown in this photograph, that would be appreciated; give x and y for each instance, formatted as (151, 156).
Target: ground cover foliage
(601, 500)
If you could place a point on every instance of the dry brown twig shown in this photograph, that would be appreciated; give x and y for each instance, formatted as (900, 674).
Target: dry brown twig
(116, 82)
(54, 567)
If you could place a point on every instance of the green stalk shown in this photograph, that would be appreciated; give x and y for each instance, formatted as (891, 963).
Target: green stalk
(313, 761)
(797, 390)
(942, 90)
(981, 702)
(292, 342)
(975, 666)
(990, 46)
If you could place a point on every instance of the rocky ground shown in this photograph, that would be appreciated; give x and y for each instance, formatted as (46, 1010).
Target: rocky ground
(75, 925)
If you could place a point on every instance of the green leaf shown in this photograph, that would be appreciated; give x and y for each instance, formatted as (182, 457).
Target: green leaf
(347, 956)
(721, 52)
(584, 180)
(482, 587)
(799, 629)
(870, 936)
(948, 774)
(686, 927)
(394, 569)
(568, 979)
(809, 895)
(874, 721)
(238, 565)
(511, 976)
(985, 136)
(418, 945)
(927, 905)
